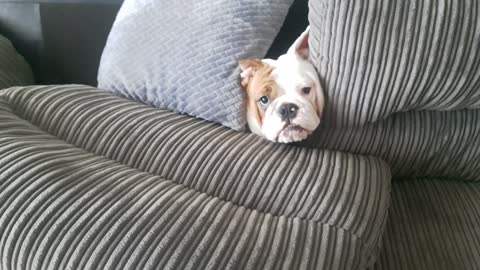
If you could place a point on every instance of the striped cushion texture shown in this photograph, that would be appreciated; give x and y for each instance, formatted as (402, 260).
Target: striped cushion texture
(14, 70)
(421, 144)
(89, 180)
(433, 225)
(183, 55)
(376, 58)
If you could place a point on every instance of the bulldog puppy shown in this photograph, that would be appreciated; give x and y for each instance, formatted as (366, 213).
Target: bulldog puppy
(285, 99)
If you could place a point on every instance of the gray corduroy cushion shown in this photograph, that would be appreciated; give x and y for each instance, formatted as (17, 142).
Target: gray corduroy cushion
(420, 144)
(183, 55)
(14, 70)
(89, 180)
(433, 225)
(381, 57)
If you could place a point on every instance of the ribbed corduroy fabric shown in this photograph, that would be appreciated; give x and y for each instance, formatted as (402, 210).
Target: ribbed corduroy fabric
(421, 144)
(380, 57)
(14, 70)
(93, 181)
(432, 225)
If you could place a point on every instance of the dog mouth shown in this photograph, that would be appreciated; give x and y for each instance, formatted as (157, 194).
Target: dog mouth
(292, 133)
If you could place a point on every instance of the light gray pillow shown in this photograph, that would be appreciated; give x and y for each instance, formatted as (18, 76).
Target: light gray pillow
(14, 70)
(381, 57)
(183, 55)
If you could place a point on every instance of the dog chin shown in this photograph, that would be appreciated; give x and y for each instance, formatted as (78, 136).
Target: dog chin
(293, 133)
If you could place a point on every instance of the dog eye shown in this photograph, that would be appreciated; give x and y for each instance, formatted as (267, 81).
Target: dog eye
(263, 101)
(306, 90)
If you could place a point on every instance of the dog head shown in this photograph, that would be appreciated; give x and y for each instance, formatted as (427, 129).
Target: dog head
(285, 99)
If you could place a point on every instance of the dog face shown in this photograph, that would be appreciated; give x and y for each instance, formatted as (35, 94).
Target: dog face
(285, 99)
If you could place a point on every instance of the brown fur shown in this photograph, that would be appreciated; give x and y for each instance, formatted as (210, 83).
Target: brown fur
(259, 84)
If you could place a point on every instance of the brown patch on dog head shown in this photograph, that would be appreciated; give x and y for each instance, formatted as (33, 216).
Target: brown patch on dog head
(258, 82)
(249, 67)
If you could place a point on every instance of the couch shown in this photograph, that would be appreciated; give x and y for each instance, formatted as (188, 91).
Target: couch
(89, 180)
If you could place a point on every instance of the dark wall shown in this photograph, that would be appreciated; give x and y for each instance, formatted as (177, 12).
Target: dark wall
(63, 40)
(294, 25)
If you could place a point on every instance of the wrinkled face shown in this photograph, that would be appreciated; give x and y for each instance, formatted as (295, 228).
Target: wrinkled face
(285, 99)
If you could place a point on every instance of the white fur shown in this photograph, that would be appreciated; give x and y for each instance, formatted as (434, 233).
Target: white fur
(292, 72)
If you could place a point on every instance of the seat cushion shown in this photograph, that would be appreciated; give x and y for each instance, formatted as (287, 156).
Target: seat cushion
(89, 180)
(432, 225)
(14, 70)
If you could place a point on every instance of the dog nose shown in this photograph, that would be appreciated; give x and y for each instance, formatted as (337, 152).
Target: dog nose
(288, 111)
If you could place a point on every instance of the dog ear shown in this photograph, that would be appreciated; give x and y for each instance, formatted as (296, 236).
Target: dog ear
(300, 47)
(248, 67)
(319, 101)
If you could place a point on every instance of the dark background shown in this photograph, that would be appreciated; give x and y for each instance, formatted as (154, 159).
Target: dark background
(64, 39)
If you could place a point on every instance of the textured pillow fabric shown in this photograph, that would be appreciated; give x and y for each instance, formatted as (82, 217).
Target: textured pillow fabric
(380, 57)
(115, 184)
(14, 70)
(183, 55)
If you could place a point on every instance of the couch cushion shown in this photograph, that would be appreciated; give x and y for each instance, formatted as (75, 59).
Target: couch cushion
(381, 57)
(421, 144)
(183, 55)
(89, 180)
(432, 225)
(14, 70)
